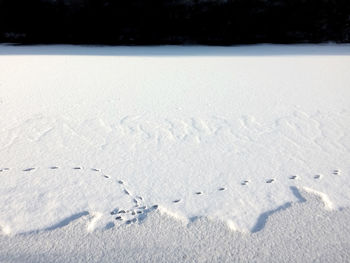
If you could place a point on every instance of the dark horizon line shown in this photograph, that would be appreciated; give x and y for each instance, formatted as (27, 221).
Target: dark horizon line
(324, 49)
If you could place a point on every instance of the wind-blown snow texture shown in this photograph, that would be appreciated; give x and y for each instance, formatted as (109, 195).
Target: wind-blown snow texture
(226, 137)
(305, 232)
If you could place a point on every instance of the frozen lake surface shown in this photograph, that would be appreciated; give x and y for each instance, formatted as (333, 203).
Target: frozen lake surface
(231, 134)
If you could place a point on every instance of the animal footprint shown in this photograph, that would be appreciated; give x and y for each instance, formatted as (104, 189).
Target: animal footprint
(317, 176)
(293, 177)
(245, 182)
(128, 222)
(28, 169)
(269, 181)
(115, 211)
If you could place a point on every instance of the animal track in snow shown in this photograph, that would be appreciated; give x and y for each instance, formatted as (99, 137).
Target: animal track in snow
(28, 169)
(115, 211)
(128, 222)
(336, 172)
(129, 215)
(138, 211)
(135, 214)
(54, 167)
(126, 215)
(245, 182)
(269, 181)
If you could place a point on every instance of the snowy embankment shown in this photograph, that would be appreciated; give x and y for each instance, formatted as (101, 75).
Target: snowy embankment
(232, 134)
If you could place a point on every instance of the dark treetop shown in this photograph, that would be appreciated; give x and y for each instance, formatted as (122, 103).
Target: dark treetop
(134, 22)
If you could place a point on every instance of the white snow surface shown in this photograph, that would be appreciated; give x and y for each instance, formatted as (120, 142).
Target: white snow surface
(227, 133)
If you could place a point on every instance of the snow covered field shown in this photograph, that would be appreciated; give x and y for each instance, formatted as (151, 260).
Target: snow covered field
(115, 133)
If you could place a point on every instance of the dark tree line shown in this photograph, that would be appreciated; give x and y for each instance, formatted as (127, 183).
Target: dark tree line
(222, 22)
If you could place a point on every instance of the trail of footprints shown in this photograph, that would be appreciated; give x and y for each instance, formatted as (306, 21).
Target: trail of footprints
(128, 216)
(139, 211)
